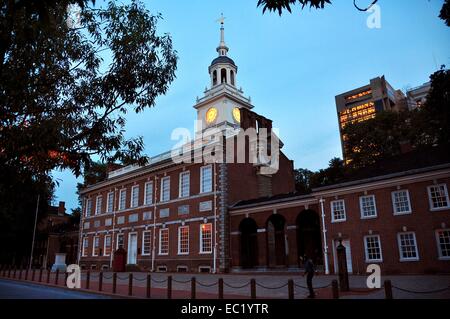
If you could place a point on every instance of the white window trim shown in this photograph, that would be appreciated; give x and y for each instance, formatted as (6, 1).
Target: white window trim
(99, 197)
(145, 193)
(117, 240)
(179, 241)
(202, 191)
(180, 184)
(108, 202)
(143, 236)
(165, 178)
(374, 206)
(83, 252)
(88, 207)
(93, 246)
(202, 252)
(132, 195)
(430, 201)
(402, 259)
(123, 191)
(438, 244)
(393, 202)
(366, 252)
(104, 245)
(168, 242)
(333, 220)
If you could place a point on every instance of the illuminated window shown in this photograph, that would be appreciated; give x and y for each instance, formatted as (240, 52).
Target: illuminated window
(146, 242)
(206, 238)
(358, 95)
(164, 241)
(183, 240)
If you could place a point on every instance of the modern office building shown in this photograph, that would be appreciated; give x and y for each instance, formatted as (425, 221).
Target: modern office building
(363, 103)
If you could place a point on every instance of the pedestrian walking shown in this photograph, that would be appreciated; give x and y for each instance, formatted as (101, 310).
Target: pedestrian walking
(309, 273)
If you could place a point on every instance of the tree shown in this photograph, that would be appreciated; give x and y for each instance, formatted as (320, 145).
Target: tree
(285, 5)
(18, 197)
(333, 174)
(445, 13)
(65, 89)
(303, 180)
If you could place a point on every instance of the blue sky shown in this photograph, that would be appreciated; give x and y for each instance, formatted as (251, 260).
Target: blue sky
(292, 67)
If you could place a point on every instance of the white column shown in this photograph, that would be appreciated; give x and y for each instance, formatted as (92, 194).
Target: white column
(325, 243)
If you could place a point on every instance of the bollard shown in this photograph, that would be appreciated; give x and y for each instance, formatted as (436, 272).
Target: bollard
(88, 279)
(32, 274)
(253, 288)
(14, 274)
(291, 289)
(130, 284)
(40, 275)
(100, 281)
(48, 275)
(335, 289)
(193, 288)
(114, 283)
(26, 274)
(169, 287)
(65, 278)
(20, 274)
(220, 288)
(149, 285)
(57, 277)
(388, 289)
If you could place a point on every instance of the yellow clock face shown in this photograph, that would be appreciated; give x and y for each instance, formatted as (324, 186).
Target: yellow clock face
(211, 115)
(237, 114)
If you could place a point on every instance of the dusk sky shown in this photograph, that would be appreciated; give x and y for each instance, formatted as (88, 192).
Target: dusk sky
(292, 67)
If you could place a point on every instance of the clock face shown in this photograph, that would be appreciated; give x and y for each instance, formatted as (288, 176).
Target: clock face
(211, 115)
(237, 114)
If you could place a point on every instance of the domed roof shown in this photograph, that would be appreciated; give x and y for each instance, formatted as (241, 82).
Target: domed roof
(222, 59)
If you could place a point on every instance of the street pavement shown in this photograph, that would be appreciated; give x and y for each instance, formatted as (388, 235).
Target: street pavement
(20, 290)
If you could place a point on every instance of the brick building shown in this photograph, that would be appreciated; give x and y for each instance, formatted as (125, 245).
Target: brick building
(185, 212)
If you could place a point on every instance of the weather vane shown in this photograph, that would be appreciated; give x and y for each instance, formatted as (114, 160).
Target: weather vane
(221, 20)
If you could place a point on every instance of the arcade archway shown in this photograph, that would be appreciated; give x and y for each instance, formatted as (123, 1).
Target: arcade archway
(309, 239)
(276, 241)
(248, 243)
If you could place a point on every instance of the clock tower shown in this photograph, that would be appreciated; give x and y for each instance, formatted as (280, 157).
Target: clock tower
(220, 106)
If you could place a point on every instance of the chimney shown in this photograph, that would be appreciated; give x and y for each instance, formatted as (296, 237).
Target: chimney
(61, 208)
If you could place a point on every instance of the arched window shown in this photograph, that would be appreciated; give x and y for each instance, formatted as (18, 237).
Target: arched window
(215, 77)
(232, 77)
(223, 76)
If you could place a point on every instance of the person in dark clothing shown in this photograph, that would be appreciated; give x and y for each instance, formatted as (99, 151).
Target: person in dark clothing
(309, 273)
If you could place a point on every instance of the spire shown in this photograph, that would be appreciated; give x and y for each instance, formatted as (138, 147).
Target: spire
(222, 49)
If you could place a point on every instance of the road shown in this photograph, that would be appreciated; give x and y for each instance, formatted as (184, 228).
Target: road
(15, 290)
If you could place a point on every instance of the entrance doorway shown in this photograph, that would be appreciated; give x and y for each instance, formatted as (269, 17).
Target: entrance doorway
(309, 240)
(276, 241)
(132, 249)
(248, 243)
